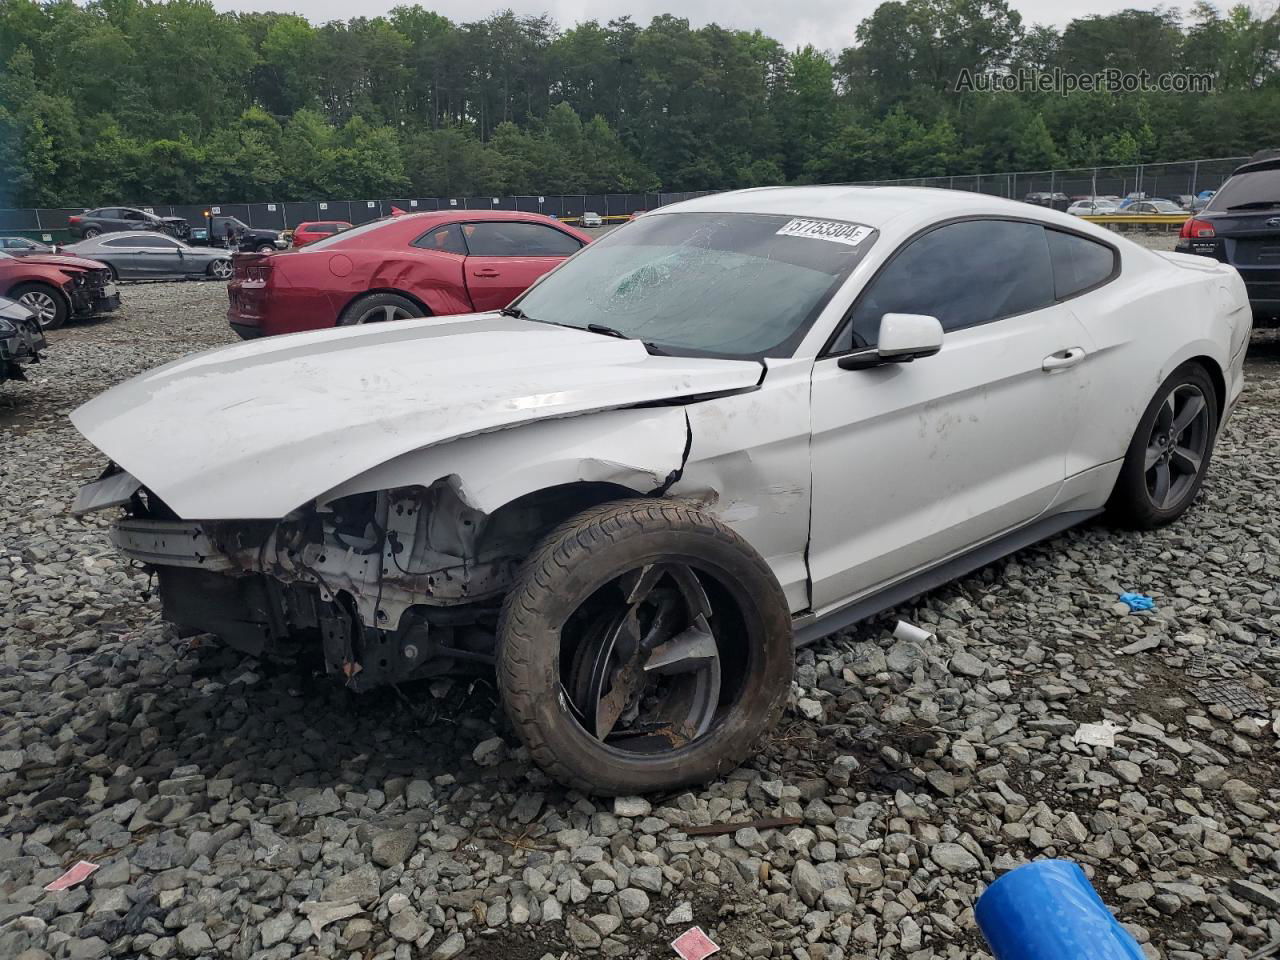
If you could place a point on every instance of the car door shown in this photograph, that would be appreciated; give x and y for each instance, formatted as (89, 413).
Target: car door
(168, 256)
(107, 219)
(916, 462)
(125, 255)
(504, 257)
(133, 219)
(157, 256)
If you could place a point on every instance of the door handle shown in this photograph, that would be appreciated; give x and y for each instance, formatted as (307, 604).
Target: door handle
(484, 272)
(1062, 359)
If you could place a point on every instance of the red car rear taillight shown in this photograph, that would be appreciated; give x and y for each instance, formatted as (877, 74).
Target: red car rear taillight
(1194, 228)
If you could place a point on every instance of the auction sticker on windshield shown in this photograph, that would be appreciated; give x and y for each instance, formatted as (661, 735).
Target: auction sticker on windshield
(836, 231)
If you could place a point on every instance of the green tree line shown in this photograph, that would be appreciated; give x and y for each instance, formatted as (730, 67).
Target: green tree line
(118, 100)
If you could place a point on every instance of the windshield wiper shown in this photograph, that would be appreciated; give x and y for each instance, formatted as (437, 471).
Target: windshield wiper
(600, 328)
(608, 331)
(1255, 205)
(515, 312)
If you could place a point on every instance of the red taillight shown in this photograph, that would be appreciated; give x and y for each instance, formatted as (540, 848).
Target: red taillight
(1194, 228)
(251, 266)
(73, 219)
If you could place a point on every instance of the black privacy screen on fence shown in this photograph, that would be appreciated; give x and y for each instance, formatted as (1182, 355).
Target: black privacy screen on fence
(51, 224)
(1163, 180)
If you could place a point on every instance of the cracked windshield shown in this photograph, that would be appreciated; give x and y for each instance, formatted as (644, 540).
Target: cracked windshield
(708, 284)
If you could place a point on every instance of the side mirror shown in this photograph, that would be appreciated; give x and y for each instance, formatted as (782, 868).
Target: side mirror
(903, 337)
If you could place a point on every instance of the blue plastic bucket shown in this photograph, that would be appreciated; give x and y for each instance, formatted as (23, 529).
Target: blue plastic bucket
(1048, 910)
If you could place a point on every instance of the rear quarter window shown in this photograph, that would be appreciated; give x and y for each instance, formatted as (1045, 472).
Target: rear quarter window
(1079, 264)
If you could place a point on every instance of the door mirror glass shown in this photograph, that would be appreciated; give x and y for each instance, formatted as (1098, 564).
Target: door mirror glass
(903, 337)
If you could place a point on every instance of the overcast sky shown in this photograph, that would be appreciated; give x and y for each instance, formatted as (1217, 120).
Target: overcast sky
(827, 24)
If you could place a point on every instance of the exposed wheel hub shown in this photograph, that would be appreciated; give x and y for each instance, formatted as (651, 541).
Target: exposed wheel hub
(645, 675)
(1178, 446)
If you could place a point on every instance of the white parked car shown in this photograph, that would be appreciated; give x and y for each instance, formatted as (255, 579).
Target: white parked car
(739, 424)
(591, 219)
(1090, 208)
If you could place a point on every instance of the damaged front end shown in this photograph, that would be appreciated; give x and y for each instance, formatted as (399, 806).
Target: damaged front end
(392, 585)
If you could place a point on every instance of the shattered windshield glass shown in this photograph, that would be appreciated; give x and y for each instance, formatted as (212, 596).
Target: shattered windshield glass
(733, 285)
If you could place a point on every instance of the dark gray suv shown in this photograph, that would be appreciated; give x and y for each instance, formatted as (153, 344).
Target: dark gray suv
(1241, 226)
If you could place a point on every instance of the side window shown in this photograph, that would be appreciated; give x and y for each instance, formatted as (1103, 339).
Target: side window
(1078, 263)
(501, 238)
(131, 215)
(446, 239)
(142, 241)
(963, 273)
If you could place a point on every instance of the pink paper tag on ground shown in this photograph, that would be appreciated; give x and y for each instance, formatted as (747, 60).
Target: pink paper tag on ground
(73, 876)
(693, 944)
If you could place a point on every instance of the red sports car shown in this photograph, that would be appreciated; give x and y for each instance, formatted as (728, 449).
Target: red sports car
(56, 288)
(422, 264)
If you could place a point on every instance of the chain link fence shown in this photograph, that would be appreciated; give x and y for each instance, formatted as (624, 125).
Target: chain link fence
(1168, 181)
(50, 224)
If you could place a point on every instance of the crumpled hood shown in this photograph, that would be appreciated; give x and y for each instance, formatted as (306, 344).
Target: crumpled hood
(258, 429)
(59, 260)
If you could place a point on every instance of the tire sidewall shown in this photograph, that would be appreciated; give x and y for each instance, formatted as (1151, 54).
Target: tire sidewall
(62, 310)
(362, 305)
(1131, 490)
(765, 683)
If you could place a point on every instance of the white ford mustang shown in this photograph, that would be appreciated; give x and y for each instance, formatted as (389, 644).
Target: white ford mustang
(733, 425)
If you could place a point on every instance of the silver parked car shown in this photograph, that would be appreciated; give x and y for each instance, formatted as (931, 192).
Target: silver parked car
(23, 246)
(153, 256)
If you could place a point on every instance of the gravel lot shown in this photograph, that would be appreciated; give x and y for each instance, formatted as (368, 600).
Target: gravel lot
(243, 809)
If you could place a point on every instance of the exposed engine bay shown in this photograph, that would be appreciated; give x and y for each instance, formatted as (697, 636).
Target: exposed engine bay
(396, 585)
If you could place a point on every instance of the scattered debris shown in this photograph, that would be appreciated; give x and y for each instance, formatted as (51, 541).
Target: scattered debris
(764, 823)
(909, 631)
(1137, 601)
(1096, 734)
(694, 944)
(1198, 666)
(1149, 642)
(1233, 695)
(76, 874)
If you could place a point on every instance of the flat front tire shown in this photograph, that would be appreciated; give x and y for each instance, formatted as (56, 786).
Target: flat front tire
(1169, 454)
(644, 646)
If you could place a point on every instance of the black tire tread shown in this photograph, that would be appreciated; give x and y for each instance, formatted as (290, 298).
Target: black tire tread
(567, 544)
(356, 305)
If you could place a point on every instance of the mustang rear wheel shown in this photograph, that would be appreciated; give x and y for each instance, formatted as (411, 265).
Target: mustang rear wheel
(644, 646)
(1170, 452)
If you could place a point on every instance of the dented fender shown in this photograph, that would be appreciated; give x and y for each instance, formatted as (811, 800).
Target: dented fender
(639, 449)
